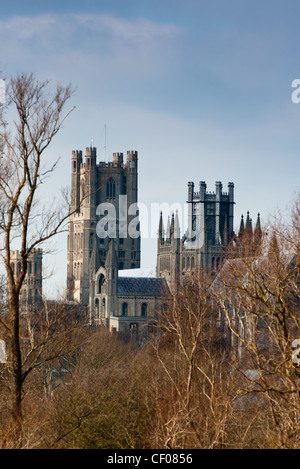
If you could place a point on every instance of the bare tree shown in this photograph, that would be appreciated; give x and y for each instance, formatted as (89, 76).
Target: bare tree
(258, 295)
(191, 384)
(35, 114)
(104, 401)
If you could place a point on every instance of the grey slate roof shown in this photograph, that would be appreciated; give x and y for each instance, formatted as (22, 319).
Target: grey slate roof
(142, 286)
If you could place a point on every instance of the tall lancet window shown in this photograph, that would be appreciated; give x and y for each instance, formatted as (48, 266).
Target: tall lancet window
(110, 189)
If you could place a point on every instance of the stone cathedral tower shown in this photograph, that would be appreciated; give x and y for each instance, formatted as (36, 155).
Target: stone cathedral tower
(32, 291)
(103, 205)
(210, 229)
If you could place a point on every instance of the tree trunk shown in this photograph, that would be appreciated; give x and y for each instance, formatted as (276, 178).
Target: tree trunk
(16, 368)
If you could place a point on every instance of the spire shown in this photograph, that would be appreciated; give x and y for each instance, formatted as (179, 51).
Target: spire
(242, 227)
(258, 225)
(111, 258)
(248, 226)
(95, 259)
(161, 227)
(172, 226)
(168, 229)
(176, 226)
(258, 230)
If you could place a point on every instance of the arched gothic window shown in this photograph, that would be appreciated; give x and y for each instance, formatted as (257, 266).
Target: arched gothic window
(101, 283)
(125, 309)
(97, 306)
(110, 189)
(144, 309)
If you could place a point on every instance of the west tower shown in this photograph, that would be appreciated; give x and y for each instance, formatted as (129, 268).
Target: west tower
(103, 207)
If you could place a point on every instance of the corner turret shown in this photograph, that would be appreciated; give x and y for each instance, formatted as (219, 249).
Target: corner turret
(75, 181)
(111, 267)
(118, 159)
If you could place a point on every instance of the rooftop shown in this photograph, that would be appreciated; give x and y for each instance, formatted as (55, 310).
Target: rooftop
(142, 286)
(138, 273)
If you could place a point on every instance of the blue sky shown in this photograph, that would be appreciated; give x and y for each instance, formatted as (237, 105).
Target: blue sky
(202, 90)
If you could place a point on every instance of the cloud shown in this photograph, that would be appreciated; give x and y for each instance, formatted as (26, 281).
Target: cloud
(139, 30)
(105, 44)
(23, 27)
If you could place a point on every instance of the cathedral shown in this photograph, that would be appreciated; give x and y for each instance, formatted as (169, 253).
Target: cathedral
(104, 275)
(104, 243)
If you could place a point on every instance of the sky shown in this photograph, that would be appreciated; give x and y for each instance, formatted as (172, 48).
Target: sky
(202, 90)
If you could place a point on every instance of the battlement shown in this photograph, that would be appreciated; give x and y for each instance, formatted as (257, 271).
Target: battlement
(132, 155)
(35, 252)
(34, 262)
(90, 152)
(118, 158)
(77, 154)
(209, 196)
(109, 164)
